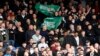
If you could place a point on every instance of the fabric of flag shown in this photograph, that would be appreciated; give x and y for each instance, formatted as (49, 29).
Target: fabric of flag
(48, 10)
(52, 22)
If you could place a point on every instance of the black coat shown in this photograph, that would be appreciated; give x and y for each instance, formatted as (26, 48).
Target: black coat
(28, 34)
(21, 51)
(95, 54)
(23, 21)
(70, 40)
(20, 37)
(37, 22)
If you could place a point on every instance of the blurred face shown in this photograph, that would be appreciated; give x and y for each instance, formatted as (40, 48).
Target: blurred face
(28, 21)
(36, 50)
(76, 34)
(65, 33)
(19, 12)
(24, 45)
(43, 40)
(42, 49)
(1, 21)
(1, 10)
(96, 45)
(88, 44)
(18, 24)
(38, 32)
(82, 18)
(60, 13)
(83, 33)
(8, 18)
(84, 10)
(1, 44)
(9, 51)
(94, 16)
(44, 53)
(80, 51)
(87, 23)
(89, 27)
(10, 25)
(34, 27)
(30, 2)
(67, 46)
(79, 27)
(91, 48)
(3, 25)
(99, 26)
(80, 12)
(31, 41)
(52, 32)
(31, 11)
(1, 53)
(71, 26)
(23, 12)
(50, 53)
(93, 10)
(13, 18)
(34, 16)
(34, 45)
(11, 47)
(5, 8)
(70, 17)
(44, 28)
(56, 14)
(57, 31)
(59, 48)
(31, 27)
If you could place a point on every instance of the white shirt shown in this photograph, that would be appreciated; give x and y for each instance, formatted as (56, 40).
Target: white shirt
(31, 50)
(36, 38)
(40, 45)
(77, 40)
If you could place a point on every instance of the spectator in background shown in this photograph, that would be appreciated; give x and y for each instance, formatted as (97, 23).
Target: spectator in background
(1, 53)
(4, 34)
(83, 37)
(12, 32)
(22, 18)
(2, 48)
(42, 44)
(35, 21)
(36, 37)
(20, 35)
(97, 33)
(9, 52)
(92, 52)
(20, 50)
(77, 40)
(90, 34)
(36, 52)
(30, 32)
(44, 32)
(77, 35)
(31, 41)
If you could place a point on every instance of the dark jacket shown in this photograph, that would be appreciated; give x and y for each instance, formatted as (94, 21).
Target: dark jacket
(95, 54)
(28, 34)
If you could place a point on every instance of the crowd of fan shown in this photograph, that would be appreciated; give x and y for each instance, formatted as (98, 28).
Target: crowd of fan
(21, 33)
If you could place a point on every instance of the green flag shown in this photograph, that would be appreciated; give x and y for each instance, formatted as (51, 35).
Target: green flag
(47, 9)
(52, 22)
